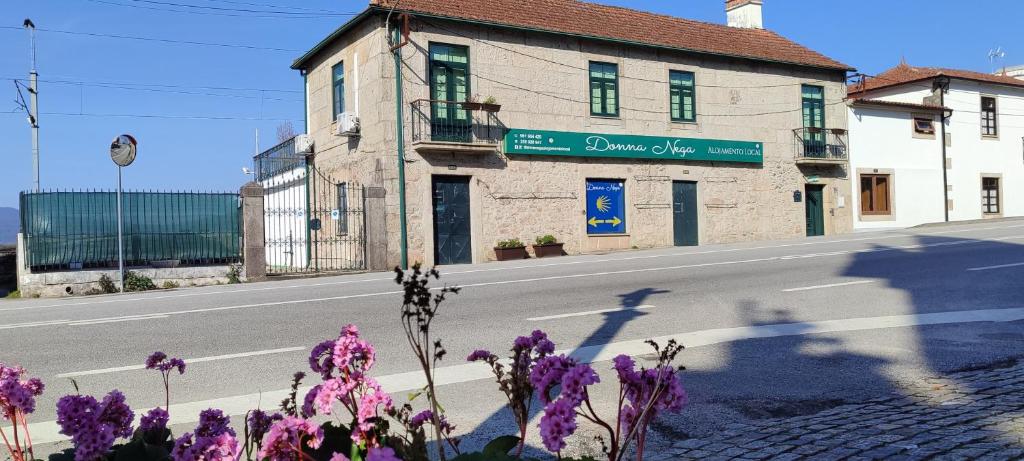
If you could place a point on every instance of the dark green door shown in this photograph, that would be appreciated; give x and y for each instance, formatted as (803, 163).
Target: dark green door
(684, 213)
(449, 86)
(815, 205)
(452, 240)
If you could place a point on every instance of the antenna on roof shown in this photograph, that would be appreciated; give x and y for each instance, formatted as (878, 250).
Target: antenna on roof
(995, 54)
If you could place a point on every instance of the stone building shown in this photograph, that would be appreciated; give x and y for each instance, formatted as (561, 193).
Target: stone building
(616, 128)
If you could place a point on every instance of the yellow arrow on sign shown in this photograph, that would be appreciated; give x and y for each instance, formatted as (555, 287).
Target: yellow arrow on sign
(615, 221)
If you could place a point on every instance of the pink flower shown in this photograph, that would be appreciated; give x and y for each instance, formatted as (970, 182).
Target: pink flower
(558, 422)
(286, 438)
(339, 457)
(369, 405)
(350, 351)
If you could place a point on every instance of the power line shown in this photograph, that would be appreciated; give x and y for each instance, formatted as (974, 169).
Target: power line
(163, 90)
(269, 5)
(161, 85)
(237, 14)
(235, 10)
(160, 40)
(172, 117)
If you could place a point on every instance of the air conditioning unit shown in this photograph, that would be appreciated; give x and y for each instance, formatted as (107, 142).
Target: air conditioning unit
(347, 125)
(303, 144)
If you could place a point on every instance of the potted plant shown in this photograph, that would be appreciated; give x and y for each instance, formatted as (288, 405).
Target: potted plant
(510, 249)
(472, 103)
(546, 246)
(490, 105)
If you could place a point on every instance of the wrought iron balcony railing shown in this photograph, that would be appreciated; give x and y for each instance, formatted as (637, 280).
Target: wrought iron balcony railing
(820, 145)
(450, 124)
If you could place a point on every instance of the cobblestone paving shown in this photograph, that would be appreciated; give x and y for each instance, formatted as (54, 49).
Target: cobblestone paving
(969, 415)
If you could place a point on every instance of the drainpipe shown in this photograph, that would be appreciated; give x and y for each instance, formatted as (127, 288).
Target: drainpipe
(400, 135)
(943, 84)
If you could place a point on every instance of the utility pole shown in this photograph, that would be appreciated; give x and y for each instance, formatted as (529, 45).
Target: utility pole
(33, 90)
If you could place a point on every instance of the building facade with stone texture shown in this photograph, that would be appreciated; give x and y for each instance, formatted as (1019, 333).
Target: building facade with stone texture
(616, 128)
(904, 175)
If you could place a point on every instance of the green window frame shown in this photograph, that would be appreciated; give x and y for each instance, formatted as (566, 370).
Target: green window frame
(813, 97)
(449, 88)
(604, 89)
(338, 89)
(682, 94)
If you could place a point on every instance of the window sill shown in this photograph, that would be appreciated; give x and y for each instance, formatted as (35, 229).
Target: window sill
(868, 217)
(988, 137)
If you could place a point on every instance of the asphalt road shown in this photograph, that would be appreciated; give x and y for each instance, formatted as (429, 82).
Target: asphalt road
(772, 328)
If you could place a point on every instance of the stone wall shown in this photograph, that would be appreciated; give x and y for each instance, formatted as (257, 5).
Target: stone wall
(541, 82)
(74, 283)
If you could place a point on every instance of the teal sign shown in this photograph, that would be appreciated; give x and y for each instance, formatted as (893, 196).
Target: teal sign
(572, 144)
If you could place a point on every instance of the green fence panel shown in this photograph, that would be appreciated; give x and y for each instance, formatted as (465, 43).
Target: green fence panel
(79, 229)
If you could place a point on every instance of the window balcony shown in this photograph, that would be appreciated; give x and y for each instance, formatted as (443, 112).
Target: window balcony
(819, 146)
(452, 126)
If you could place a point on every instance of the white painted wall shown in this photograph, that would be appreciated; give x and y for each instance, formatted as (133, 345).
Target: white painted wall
(972, 154)
(883, 139)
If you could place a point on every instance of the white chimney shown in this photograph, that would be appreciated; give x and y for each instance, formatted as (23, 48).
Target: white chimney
(744, 13)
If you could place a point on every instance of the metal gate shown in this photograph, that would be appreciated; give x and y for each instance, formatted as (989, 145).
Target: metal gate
(312, 222)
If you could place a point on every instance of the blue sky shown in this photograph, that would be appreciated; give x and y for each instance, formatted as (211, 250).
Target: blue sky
(211, 99)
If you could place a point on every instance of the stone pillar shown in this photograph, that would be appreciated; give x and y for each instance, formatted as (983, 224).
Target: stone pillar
(254, 250)
(376, 229)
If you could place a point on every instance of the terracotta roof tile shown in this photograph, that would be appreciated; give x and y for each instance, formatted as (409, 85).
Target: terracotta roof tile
(590, 19)
(905, 73)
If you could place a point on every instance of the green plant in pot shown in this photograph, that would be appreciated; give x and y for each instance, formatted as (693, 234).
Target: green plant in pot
(547, 246)
(510, 249)
(490, 105)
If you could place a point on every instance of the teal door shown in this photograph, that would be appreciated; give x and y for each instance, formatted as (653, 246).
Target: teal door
(815, 206)
(452, 238)
(684, 213)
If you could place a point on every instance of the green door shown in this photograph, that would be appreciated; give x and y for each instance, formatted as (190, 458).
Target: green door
(684, 213)
(814, 121)
(452, 238)
(449, 85)
(815, 205)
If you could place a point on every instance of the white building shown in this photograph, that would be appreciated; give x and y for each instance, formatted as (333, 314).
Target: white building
(902, 173)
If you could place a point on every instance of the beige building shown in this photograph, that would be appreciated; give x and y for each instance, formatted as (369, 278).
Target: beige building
(616, 128)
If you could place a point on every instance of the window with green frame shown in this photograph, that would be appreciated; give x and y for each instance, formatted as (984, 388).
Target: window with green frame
(813, 106)
(682, 96)
(604, 89)
(449, 86)
(338, 89)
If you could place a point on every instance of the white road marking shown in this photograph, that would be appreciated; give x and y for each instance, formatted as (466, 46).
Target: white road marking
(831, 285)
(190, 361)
(582, 314)
(127, 318)
(544, 279)
(199, 292)
(186, 413)
(33, 324)
(988, 268)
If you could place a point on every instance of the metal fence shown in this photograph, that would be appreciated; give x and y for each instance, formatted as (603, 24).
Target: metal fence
(77, 230)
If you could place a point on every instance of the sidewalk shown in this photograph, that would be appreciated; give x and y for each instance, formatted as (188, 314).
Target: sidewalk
(975, 414)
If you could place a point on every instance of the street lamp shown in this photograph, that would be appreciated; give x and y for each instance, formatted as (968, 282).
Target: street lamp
(122, 152)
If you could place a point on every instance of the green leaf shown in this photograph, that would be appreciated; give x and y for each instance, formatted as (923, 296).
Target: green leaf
(501, 445)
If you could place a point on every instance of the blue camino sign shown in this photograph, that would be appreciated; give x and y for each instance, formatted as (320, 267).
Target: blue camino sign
(573, 144)
(606, 207)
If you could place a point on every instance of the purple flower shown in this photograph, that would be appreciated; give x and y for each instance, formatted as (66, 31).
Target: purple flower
(17, 395)
(558, 422)
(116, 413)
(523, 343)
(320, 358)
(575, 381)
(339, 457)
(537, 336)
(154, 360)
(309, 403)
(158, 361)
(545, 347)
(93, 443)
(259, 423)
(213, 422)
(381, 454)
(548, 372)
(223, 447)
(155, 420)
(75, 412)
(479, 355)
(427, 416)
(286, 438)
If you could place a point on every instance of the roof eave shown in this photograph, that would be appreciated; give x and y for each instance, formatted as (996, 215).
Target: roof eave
(898, 105)
(839, 68)
(299, 63)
